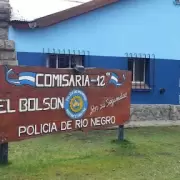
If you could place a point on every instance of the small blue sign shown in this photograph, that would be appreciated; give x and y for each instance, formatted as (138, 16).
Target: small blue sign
(76, 104)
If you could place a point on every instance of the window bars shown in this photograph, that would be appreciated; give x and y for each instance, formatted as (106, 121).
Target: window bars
(142, 67)
(65, 59)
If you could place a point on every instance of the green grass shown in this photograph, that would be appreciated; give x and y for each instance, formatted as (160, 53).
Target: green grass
(147, 154)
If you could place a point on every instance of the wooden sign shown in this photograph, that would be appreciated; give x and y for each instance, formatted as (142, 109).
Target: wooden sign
(35, 101)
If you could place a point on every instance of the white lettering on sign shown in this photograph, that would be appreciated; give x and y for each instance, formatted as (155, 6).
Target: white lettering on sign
(34, 104)
(66, 125)
(46, 128)
(61, 80)
(34, 130)
(101, 121)
(5, 106)
(82, 123)
(97, 121)
(101, 81)
(110, 102)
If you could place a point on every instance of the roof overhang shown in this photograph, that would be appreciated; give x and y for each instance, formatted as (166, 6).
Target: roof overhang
(62, 15)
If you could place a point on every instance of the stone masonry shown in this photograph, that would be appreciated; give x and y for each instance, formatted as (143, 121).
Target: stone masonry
(154, 115)
(155, 112)
(7, 47)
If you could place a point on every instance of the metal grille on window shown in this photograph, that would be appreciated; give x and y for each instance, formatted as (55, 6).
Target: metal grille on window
(64, 61)
(76, 60)
(142, 69)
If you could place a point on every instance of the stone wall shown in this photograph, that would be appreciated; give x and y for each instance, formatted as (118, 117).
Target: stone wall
(154, 115)
(7, 47)
(155, 112)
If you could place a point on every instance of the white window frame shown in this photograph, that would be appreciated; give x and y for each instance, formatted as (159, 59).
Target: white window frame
(134, 72)
(70, 60)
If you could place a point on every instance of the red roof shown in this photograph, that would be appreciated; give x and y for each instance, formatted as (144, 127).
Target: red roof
(62, 15)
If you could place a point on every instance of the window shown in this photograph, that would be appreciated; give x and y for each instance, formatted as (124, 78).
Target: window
(64, 61)
(140, 69)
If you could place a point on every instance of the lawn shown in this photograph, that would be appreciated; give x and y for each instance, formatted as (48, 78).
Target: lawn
(151, 153)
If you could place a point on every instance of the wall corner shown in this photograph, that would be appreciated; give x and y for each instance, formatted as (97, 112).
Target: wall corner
(7, 47)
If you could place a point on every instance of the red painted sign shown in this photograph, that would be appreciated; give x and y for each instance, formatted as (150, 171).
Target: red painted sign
(35, 101)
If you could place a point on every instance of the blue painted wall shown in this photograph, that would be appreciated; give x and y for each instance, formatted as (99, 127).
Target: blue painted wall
(127, 26)
(31, 59)
(134, 26)
(166, 74)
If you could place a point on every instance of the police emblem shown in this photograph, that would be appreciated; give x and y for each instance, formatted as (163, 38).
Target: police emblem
(76, 104)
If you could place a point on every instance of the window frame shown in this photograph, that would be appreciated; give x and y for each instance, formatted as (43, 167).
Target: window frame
(134, 71)
(70, 59)
(148, 76)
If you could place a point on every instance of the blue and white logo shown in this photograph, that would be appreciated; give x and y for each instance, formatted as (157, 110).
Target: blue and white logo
(76, 104)
(114, 79)
(24, 78)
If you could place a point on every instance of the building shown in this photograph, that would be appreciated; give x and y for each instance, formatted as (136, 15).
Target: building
(7, 47)
(138, 35)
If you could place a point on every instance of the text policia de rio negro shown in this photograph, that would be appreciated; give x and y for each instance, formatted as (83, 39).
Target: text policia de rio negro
(65, 125)
(36, 100)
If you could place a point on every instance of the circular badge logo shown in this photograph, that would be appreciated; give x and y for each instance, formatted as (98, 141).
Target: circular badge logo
(76, 104)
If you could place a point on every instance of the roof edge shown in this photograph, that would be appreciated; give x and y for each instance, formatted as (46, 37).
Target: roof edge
(60, 16)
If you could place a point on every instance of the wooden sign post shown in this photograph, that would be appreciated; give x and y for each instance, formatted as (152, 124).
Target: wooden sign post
(35, 101)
